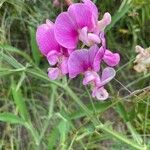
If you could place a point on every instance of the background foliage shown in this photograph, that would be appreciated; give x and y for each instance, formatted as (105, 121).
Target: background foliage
(36, 113)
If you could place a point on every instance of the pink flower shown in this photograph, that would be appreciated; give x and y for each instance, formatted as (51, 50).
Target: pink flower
(99, 91)
(83, 60)
(88, 62)
(80, 22)
(55, 53)
(58, 42)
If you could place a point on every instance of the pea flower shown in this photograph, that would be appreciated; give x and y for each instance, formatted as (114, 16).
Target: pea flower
(88, 63)
(58, 42)
(56, 55)
(142, 60)
(80, 22)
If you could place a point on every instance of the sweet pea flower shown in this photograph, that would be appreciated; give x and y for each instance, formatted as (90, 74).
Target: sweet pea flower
(56, 55)
(88, 63)
(99, 91)
(80, 22)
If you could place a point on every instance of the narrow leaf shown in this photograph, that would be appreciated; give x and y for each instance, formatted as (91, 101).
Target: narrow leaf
(34, 48)
(11, 118)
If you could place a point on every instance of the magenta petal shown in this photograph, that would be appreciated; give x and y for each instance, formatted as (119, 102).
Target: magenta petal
(107, 75)
(92, 53)
(64, 65)
(103, 40)
(53, 73)
(82, 15)
(98, 58)
(78, 62)
(66, 31)
(111, 59)
(45, 39)
(100, 93)
(53, 57)
(93, 9)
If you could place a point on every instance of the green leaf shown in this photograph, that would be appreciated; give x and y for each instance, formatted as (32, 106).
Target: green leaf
(122, 112)
(15, 50)
(99, 107)
(11, 118)
(19, 101)
(11, 60)
(63, 128)
(123, 9)
(54, 135)
(34, 48)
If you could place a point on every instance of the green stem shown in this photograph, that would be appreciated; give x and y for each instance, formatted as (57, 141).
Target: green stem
(102, 126)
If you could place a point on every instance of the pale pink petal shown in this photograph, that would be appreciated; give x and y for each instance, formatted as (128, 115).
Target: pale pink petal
(90, 77)
(111, 59)
(106, 20)
(82, 15)
(64, 66)
(45, 39)
(54, 73)
(83, 36)
(107, 75)
(78, 62)
(65, 30)
(100, 93)
(53, 57)
(94, 38)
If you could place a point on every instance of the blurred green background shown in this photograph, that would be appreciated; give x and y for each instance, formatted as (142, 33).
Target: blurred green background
(36, 113)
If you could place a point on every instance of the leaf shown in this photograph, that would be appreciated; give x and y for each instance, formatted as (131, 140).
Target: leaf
(11, 118)
(12, 49)
(11, 61)
(123, 9)
(122, 112)
(54, 135)
(34, 48)
(100, 107)
(19, 101)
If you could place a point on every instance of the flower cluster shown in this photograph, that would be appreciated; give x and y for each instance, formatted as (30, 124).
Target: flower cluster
(61, 43)
(142, 60)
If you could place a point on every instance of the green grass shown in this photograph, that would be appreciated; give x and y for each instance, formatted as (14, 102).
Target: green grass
(37, 113)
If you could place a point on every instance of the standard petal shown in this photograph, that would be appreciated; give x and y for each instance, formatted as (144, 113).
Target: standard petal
(78, 62)
(107, 75)
(82, 15)
(93, 9)
(45, 39)
(65, 31)
(111, 59)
